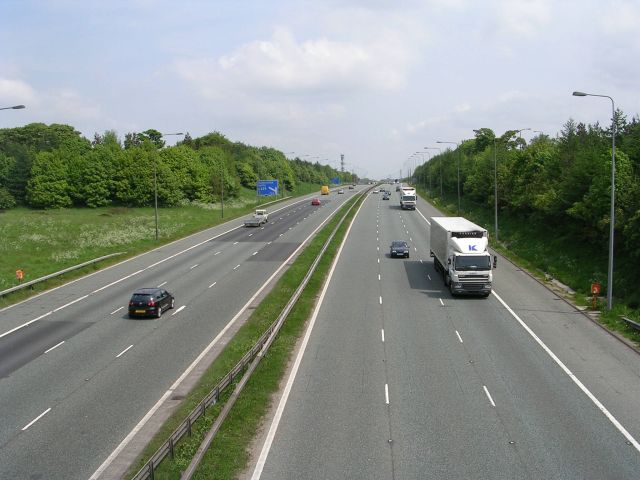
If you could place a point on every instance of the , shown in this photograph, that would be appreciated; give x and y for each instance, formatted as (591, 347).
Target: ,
(399, 248)
(150, 302)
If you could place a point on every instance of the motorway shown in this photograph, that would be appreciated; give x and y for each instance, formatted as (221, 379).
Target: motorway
(397, 379)
(77, 375)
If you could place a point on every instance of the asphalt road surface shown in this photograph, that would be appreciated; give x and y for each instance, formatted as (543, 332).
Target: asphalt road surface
(397, 379)
(77, 375)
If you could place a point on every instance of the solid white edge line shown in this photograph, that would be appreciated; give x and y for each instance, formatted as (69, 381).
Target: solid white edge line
(570, 374)
(178, 310)
(125, 441)
(266, 447)
(104, 287)
(486, 390)
(386, 393)
(459, 337)
(25, 324)
(55, 346)
(125, 261)
(132, 433)
(70, 303)
(124, 351)
(36, 419)
(425, 218)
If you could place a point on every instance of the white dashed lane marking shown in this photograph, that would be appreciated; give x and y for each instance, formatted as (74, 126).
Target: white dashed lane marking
(55, 346)
(486, 390)
(36, 419)
(124, 351)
